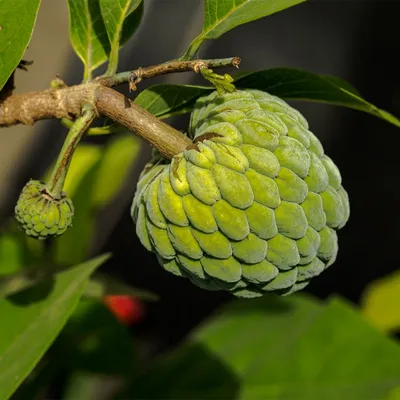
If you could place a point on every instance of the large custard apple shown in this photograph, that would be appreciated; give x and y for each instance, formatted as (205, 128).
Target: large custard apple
(251, 206)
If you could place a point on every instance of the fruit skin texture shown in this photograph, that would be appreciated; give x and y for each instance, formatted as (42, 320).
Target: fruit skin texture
(41, 215)
(252, 206)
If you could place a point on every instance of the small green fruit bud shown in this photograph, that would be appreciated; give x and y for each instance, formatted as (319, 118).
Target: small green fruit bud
(42, 215)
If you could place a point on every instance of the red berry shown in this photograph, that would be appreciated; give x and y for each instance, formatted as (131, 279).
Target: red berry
(127, 309)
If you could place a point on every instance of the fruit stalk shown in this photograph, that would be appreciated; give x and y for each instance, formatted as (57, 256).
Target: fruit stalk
(56, 182)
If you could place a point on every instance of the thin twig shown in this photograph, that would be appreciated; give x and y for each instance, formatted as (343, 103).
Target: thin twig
(137, 75)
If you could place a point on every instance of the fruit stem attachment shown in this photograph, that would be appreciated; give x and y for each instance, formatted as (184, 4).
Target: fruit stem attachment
(56, 182)
(223, 83)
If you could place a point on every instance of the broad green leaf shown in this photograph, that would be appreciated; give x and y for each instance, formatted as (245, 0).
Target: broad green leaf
(341, 83)
(118, 157)
(17, 20)
(297, 84)
(277, 348)
(72, 246)
(32, 319)
(88, 34)
(220, 16)
(381, 302)
(121, 19)
(164, 100)
(93, 344)
(286, 83)
(394, 394)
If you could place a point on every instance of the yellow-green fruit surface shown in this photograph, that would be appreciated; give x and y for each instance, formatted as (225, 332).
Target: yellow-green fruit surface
(252, 206)
(40, 215)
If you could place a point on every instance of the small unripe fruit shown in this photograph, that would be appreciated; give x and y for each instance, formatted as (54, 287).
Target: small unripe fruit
(252, 206)
(41, 215)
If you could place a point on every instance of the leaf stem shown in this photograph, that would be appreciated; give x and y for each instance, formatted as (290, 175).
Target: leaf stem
(59, 173)
(87, 74)
(113, 60)
(193, 48)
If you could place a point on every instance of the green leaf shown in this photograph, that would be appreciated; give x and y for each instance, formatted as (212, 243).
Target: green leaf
(286, 83)
(220, 16)
(297, 84)
(32, 319)
(166, 100)
(88, 34)
(277, 348)
(394, 394)
(381, 302)
(17, 20)
(118, 158)
(121, 19)
(341, 83)
(72, 246)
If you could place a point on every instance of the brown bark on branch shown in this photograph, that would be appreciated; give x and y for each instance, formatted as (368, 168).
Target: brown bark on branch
(165, 138)
(67, 102)
(28, 108)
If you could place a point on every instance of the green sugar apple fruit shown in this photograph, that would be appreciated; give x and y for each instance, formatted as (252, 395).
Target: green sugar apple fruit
(251, 206)
(40, 215)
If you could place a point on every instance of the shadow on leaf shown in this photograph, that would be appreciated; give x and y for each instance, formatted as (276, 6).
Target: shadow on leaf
(34, 294)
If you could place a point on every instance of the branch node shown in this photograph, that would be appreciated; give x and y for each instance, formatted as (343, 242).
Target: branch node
(58, 83)
(236, 61)
(198, 65)
(135, 78)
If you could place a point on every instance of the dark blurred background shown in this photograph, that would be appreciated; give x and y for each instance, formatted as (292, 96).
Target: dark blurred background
(354, 40)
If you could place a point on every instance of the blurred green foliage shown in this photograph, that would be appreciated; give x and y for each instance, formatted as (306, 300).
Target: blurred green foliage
(381, 302)
(29, 269)
(280, 348)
